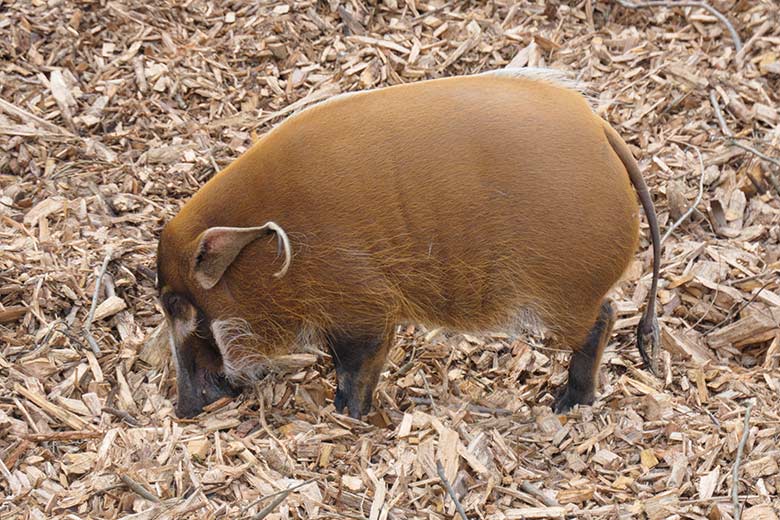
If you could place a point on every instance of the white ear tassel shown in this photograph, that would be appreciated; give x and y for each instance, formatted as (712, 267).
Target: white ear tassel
(282, 236)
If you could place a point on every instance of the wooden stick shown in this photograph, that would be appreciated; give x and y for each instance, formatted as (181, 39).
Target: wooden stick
(430, 394)
(12, 313)
(735, 471)
(87, 333)
(695, 203)
(10, 108)
(715, 499)
(139, 490)
(536, 492)
(268, 432)
(17, 453)
(125, 416)
(471, 407)
(719, 114)
(63, 415)
(450, 491)
(736, 309)
(267, 510)
(74, 435)
(700, 4)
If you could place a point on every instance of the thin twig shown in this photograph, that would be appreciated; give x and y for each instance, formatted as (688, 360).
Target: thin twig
(17, 453)
(62, 328)
(139, 489)
(430, 394)
(268, 432)
(125, 416)
(714, 499)
(476, 408)
(761, 155)
(719, 114)
(770, 176)
(536, 492)
(87, 333)
(695, 203)
(735, 472)
(272, 495)
(700, 4)
(24, 115)
(733, 141)
(450, 491)
(736, 309)
(267, 510)
(63, 436)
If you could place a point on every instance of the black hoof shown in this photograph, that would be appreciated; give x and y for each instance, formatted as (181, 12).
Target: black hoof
(568, 399)
(647, 333)
(340, 401)
(357, 407)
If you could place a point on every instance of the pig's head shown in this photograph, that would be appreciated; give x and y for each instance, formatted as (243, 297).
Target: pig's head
(196, 300)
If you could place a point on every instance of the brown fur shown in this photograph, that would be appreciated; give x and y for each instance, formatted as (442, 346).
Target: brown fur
(457, 202)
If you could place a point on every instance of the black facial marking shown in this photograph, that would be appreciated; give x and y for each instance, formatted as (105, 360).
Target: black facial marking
(201, 379)
(173, 304)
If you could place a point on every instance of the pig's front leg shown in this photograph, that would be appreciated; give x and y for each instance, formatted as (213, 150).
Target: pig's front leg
(359, 359)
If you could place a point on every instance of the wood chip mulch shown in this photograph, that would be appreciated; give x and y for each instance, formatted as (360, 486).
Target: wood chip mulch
(113, 113)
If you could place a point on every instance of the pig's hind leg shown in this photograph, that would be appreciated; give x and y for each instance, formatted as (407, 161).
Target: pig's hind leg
(585, 361)
(359, 359)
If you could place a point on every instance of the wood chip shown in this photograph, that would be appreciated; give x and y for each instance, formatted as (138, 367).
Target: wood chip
(109, 307)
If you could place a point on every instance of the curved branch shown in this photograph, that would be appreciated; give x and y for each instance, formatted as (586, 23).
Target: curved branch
(701, 4)
(695, 203)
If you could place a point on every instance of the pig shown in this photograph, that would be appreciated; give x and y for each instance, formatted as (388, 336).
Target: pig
(474, 203)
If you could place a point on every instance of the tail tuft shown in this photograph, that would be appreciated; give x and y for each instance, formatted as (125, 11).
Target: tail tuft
(648, 332)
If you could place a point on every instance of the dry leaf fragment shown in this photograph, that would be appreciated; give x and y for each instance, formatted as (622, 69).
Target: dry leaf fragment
(109, 307)
(708, 484)
(759, 512)
(661, 506)
(78, 463)
(648, 459)
(199, 448)
(575, 496)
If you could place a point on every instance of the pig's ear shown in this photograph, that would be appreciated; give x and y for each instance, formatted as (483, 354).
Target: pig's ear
(218, 247)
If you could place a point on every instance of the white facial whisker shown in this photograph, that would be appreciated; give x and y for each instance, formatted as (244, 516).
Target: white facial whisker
(247, 357)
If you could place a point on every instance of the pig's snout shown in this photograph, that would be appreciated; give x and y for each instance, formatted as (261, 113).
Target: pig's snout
(204, 390)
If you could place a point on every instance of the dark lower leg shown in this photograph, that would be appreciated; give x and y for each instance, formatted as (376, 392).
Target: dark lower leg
(584, 364)
(359, 361)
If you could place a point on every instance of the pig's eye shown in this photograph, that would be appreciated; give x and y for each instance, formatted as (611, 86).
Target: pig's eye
(172, 304)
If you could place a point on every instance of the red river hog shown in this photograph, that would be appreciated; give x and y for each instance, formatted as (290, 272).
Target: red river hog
(474, 203)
